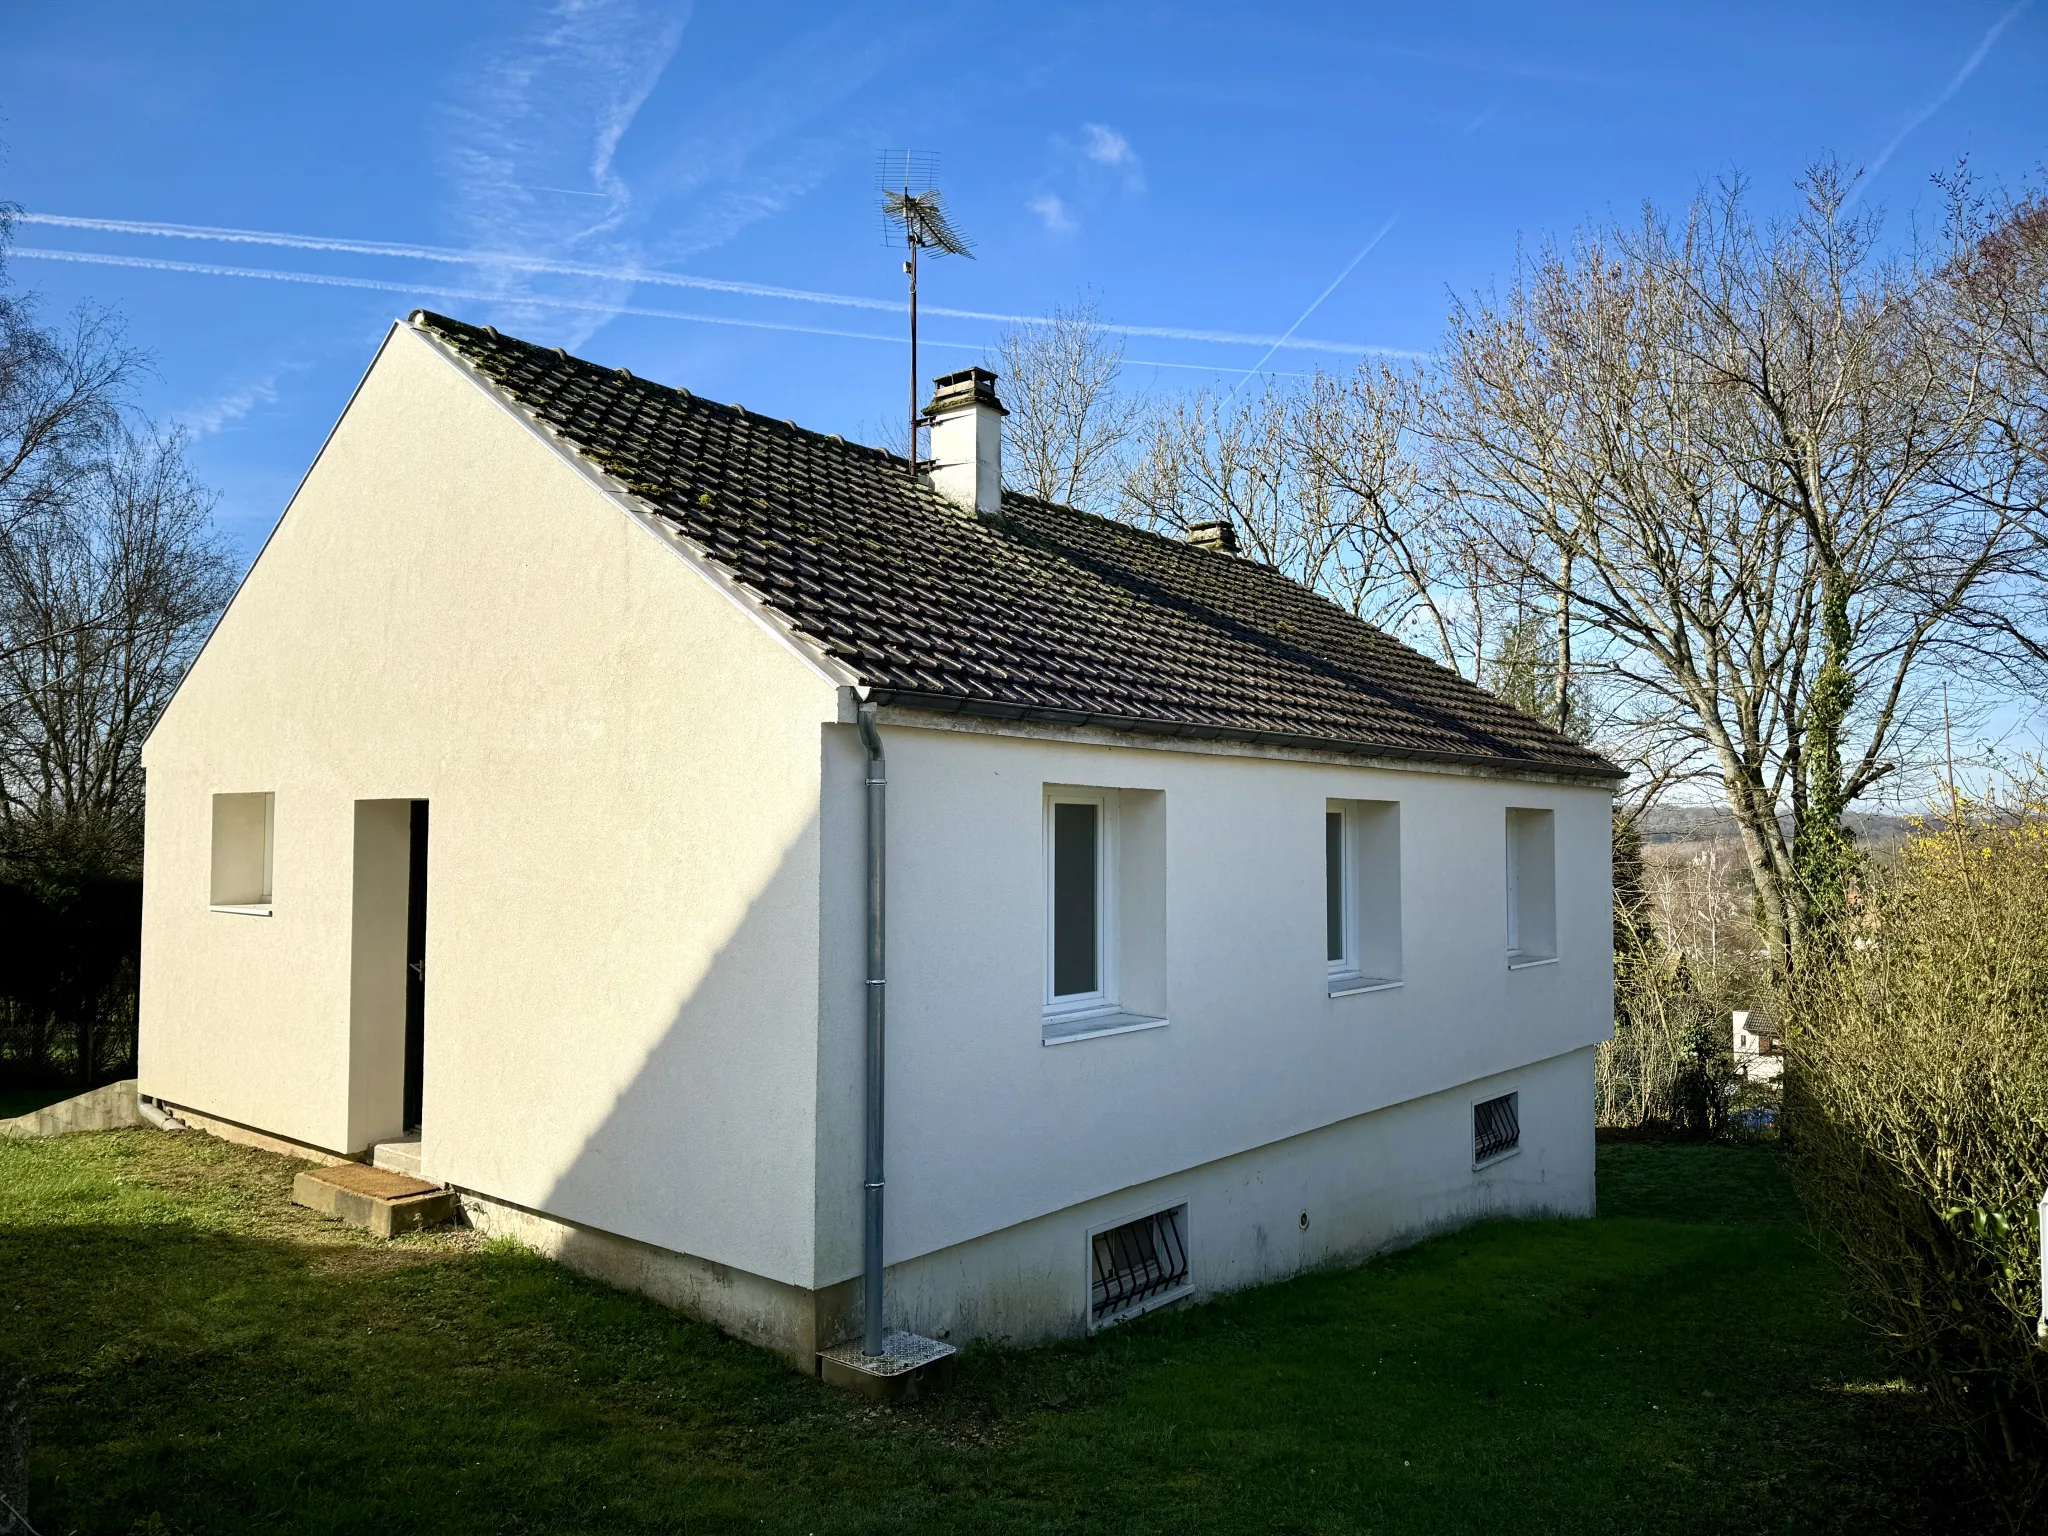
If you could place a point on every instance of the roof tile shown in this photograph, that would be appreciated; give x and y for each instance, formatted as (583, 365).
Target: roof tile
(1048, 613)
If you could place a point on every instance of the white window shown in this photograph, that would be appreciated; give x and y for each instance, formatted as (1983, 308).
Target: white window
(1105, 911)
(243, 830)
(1532, 887)
(1080, 902)
(1362, 895)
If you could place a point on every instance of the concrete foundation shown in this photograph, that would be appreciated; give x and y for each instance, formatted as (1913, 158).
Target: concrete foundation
(1335, 1195)
(264, 1141)
(793, 1322)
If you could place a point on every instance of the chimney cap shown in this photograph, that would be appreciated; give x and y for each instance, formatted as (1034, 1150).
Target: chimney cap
(1219, 534)
(959, 391)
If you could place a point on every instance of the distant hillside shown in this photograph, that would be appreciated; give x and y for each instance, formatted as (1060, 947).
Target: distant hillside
(1709, 823)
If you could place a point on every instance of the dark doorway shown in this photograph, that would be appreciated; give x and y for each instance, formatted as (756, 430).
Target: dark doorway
(416, 970)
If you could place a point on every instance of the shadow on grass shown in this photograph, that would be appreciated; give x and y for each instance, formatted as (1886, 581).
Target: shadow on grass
(207, 1356)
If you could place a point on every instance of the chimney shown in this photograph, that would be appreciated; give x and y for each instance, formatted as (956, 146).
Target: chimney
(967, 441)
(1218, 535)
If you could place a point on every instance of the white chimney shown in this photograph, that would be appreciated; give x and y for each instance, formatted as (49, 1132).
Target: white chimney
(967, 441)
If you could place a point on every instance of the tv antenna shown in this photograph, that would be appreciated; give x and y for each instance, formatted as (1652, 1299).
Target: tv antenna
(913, 210)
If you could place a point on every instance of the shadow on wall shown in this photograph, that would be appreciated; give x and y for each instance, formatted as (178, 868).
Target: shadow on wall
(711, 1149)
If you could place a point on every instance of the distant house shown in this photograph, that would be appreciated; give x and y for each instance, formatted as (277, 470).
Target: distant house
(514, 826)
(1759, 1052)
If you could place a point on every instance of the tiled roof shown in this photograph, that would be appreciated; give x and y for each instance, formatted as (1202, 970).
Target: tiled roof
(1051, 615)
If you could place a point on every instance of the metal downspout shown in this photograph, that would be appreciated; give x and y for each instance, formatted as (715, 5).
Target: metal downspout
(871, 1249)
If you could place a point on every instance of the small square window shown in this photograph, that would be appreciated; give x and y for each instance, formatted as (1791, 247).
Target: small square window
(1137, 1265)
(1532, 886)
(244, 827)
(1496, 1128)
(1362, 894)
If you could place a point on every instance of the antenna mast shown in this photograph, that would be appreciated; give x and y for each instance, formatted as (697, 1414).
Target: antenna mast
(912, 206)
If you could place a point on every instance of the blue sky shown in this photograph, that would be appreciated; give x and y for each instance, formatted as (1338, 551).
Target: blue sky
(1205, 173)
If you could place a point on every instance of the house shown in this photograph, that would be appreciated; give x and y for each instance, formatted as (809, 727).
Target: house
(516, 825)
(1759, 1051)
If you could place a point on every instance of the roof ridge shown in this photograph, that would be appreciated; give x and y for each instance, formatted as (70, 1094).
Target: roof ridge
(1047, 612)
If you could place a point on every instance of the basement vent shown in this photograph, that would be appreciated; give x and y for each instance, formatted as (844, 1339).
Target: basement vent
(1137, 1265)
(1496, 1128)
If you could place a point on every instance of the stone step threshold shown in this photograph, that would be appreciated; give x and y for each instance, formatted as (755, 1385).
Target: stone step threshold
(382, 1202)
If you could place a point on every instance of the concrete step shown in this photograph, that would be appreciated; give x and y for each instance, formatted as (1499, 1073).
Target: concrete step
(378, 1200)
(400, 1156)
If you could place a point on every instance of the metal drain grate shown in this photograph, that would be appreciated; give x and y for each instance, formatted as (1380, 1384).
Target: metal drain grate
(1138, 1263)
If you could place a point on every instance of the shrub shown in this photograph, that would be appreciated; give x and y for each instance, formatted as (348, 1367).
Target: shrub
(1917, 1095)
(1669, 1064)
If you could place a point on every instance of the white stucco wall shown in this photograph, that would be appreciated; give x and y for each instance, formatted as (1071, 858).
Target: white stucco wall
(1369, 1183)
(623, 771)
(644, 994)
(989, 1127)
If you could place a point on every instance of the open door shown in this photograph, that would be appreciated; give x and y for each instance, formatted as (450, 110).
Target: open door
(416, 971)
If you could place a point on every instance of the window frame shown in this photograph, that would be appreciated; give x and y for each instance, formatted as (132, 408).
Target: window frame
(264, 902)
(1515, 1150)
(1105, 998)
(1176, 1207)
(1369, 881)
(1343, 966)
(1517, 825)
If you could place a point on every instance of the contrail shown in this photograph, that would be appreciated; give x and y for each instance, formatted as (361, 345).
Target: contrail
(376, 285)
(1364, 252)
(514, 261)
(1956, 84)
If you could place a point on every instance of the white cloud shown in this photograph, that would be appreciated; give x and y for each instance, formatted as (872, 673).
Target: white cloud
(225, 410)
(544, 116)
(1099, 162)
(1054, 214)
(1106, 146)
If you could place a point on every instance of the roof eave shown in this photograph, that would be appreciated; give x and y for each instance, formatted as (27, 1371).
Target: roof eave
(1600, 771)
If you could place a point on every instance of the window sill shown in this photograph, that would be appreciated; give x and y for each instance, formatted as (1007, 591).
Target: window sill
(1529, 962)
(1354, 986)
(1498, 1157)
(1088, 1026)
(1151, 1303)
(252, 911)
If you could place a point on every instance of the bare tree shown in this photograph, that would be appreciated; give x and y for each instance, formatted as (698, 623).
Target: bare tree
(1731, 449)
(61, 393)
(1069, 422)
(105, 596)
(1997, 283)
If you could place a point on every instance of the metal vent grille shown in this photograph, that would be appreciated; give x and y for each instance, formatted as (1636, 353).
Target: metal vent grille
(1138, 1262)
(1496, 1127)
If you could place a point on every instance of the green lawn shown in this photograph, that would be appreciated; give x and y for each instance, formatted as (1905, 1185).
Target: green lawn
(207, 1357)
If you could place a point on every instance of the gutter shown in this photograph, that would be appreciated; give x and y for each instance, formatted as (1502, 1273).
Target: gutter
(877, 782)
(1597, 771)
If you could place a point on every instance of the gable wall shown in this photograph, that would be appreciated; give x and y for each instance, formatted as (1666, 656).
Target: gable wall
(622, 768)
(989, 1127)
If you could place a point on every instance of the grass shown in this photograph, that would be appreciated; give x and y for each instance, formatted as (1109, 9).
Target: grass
(206, 1357)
